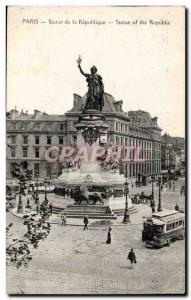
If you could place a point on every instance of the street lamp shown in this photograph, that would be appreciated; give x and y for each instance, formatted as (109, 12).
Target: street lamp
(45, 193)
(152, 181)
(159, 205)
(126, 218)
(152, 195)
(37, 182)
(169, 177)
(20, 204)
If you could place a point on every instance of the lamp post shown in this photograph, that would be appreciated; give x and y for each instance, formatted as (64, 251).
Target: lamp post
(159, 205)
(152, 181)
(169, 174)
(126, 218)
(20, 204)
(37, 182)
(45, 193)
(152, 201)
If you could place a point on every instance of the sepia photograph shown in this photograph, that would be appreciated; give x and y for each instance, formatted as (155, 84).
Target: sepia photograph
(95, 150)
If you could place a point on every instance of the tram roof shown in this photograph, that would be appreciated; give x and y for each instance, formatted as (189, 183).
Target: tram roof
(168, 215)
(165, 213)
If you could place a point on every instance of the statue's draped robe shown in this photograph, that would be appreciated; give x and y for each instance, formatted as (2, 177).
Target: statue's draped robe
(95, 91)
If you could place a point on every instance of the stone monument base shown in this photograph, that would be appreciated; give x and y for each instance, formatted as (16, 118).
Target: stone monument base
(92, 211)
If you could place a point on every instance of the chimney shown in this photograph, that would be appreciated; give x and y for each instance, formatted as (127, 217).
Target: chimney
(37, 112)
(13, 113)
(155, 121)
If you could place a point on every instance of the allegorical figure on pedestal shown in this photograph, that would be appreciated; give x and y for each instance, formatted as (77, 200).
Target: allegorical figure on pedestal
(95, 88)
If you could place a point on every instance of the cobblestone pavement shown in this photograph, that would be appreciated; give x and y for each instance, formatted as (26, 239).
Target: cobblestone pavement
(74, 261)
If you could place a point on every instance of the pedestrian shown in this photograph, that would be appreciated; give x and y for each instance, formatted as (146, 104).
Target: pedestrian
(37, 208)
(63, 219)
(176, 207)
(108, 210)
(37, 198)
(131, 256)
(86, 222)
(173, 188)
(33, 196)
(50, 208)
(108, 241)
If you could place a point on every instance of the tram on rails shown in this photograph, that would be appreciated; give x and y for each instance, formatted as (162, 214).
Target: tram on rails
(163, 228)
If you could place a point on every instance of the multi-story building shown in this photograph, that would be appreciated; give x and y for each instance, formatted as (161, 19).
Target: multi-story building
(29, 136)
(172, 149)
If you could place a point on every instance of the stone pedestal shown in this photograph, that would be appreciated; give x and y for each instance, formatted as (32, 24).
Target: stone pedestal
(92, 211)
(91, 136)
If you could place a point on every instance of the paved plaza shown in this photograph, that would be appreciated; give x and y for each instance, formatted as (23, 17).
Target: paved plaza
(74, 261)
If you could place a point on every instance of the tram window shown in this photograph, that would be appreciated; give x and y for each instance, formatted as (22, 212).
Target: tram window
(169, 227)
(158, 229)
(176, 224)
(180, 222)
(173, 225)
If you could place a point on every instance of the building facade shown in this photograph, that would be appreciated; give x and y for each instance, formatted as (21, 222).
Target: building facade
(172, 152)
(30, 135)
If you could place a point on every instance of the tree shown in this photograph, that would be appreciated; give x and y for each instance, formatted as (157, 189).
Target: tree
(22, 174)
(19, 251)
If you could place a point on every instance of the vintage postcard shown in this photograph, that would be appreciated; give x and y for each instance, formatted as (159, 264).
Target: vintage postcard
(95, 127)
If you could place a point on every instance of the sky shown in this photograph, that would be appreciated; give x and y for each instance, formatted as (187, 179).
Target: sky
(141, 62)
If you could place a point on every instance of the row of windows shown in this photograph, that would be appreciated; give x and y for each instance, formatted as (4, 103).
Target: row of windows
(37, 140)
(134, 142)
(24, 152)
(121, 127)
(174, 225)
(121, 141)
(139, 132)
(157, 146)
(37, 125)
(13, 152)
(141, 144)
(142, 168)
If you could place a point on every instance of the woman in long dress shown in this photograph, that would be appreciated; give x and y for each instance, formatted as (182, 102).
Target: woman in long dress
(95, 89)
(108, 241)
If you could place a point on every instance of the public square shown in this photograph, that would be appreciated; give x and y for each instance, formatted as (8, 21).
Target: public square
(74, 261)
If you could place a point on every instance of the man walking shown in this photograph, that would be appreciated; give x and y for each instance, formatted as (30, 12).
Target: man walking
(86, 222)
(131, 256)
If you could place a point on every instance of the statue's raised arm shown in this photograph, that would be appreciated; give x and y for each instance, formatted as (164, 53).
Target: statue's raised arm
(79, 60)
(82, 72)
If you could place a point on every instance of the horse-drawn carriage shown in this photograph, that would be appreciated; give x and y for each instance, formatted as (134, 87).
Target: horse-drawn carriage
(141, 198)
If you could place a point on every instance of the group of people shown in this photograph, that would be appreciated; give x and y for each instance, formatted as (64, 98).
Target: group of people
(131, 255)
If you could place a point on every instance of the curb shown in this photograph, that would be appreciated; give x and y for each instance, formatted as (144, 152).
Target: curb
(90, 226)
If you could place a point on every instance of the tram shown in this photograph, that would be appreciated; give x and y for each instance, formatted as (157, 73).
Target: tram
(163, 228)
